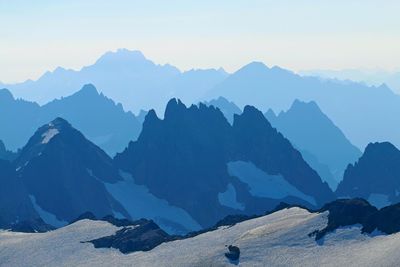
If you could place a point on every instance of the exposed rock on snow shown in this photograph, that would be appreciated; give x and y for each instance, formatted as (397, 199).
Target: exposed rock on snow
(279, 239)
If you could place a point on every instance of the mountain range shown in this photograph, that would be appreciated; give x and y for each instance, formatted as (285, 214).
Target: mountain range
(322, 144)
(186, 171)
(125, 76)
(368, 76)
(261, 166)
(98, 117)
(137, 83)
(196, 160)
(353, 107)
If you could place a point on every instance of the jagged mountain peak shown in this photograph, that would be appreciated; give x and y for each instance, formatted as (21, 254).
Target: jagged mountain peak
(174, 108)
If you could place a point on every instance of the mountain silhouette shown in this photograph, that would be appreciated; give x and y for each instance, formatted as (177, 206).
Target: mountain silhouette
(314, 134)
(125, 76)
(353, 107)
(375, 176)
(98, 117)
(196, 160)
(64, 174)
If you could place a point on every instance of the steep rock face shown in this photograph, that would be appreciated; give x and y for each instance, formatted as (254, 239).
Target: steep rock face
(15, 205)
(268, 149)
(314, 134)
(375, 176)
(64, 174)
(194, 159)
(179, 158)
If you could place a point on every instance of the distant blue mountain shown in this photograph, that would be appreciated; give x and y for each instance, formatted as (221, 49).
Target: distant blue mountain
(368, 76)
(363, 113)
(125, 76)
(197, 161)
(375, 176)
(99, 118)
(318, 139)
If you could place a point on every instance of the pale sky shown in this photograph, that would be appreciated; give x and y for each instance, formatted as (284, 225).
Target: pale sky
(36, 36)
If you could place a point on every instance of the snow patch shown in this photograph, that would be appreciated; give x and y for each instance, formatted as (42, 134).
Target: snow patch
(379, 200)
(140, 203)
(228, 198)
(265, 185)
(47, 217)
(49, 134)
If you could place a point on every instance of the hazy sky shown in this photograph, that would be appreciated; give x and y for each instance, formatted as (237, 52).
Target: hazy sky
(40, 35)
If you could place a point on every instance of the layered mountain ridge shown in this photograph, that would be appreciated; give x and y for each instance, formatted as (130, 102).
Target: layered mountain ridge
(98, 117)
(320, 141)
(196, 148)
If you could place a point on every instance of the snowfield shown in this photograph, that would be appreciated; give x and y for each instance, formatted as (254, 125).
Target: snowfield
(279, 239)
(263, 184)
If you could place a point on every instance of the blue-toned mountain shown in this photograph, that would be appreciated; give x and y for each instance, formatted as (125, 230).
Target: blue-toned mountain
(196, 160)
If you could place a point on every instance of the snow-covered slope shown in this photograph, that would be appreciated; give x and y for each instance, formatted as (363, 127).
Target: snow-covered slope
(279, 239)
(140, 203)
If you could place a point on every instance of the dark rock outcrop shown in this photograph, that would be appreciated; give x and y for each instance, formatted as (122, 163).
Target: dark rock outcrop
(345, 212)
(376, 173)
(386, 220)
(145, 236)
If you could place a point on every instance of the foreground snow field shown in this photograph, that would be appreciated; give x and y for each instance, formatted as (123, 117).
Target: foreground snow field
(279, 239)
